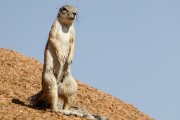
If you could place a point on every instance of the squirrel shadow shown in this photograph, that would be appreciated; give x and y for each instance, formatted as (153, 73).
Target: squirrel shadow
(22, 103)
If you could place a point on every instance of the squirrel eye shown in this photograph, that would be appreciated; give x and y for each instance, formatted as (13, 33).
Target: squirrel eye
(63, 10)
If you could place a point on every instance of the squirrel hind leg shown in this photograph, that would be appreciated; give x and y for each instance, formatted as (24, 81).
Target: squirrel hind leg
(69, 101)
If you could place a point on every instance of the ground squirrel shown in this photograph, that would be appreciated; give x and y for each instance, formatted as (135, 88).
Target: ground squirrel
(57, 80)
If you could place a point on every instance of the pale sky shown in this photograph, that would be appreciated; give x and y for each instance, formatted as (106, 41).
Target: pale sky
(127, 48)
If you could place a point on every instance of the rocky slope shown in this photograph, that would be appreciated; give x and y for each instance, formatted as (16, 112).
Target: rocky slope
(20, 77)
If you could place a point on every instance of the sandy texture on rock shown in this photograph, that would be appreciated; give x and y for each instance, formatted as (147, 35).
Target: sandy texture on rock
(20, 77)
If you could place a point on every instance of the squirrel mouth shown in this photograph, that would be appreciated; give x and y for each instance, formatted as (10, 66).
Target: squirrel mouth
(71, 18)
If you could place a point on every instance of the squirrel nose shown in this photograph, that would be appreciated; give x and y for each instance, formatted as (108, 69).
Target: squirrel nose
(74, 13)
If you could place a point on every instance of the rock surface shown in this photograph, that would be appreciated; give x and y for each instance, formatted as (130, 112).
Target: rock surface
(20, 77)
